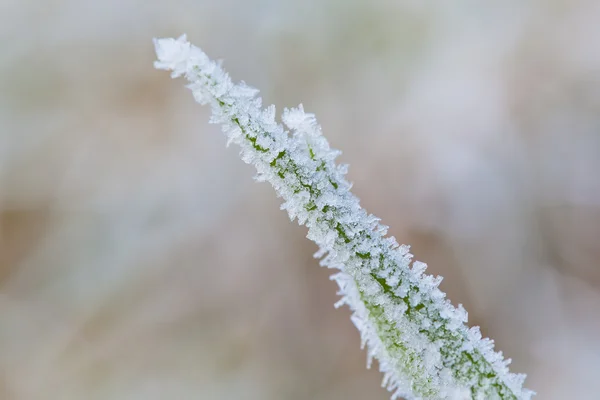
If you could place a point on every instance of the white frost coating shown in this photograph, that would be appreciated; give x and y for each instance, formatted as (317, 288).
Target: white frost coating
(423, 346)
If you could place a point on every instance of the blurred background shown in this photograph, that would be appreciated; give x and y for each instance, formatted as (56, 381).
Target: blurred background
(138, 260)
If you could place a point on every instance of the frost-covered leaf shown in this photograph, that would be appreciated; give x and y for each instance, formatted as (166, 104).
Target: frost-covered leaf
(423, 346)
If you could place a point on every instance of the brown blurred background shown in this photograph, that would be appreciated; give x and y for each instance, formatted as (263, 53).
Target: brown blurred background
(138, 260)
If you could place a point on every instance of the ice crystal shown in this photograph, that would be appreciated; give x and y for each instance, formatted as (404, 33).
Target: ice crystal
(420, 339)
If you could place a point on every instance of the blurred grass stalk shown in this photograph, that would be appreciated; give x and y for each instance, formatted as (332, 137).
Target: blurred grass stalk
(420, 339)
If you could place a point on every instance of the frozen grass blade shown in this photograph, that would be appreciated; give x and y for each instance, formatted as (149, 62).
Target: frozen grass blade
(420, 339)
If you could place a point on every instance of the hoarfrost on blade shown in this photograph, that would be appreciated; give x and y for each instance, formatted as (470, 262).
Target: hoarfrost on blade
(423, 346)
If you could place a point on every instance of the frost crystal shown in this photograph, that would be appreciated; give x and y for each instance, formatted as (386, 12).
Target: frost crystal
(423, 346)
